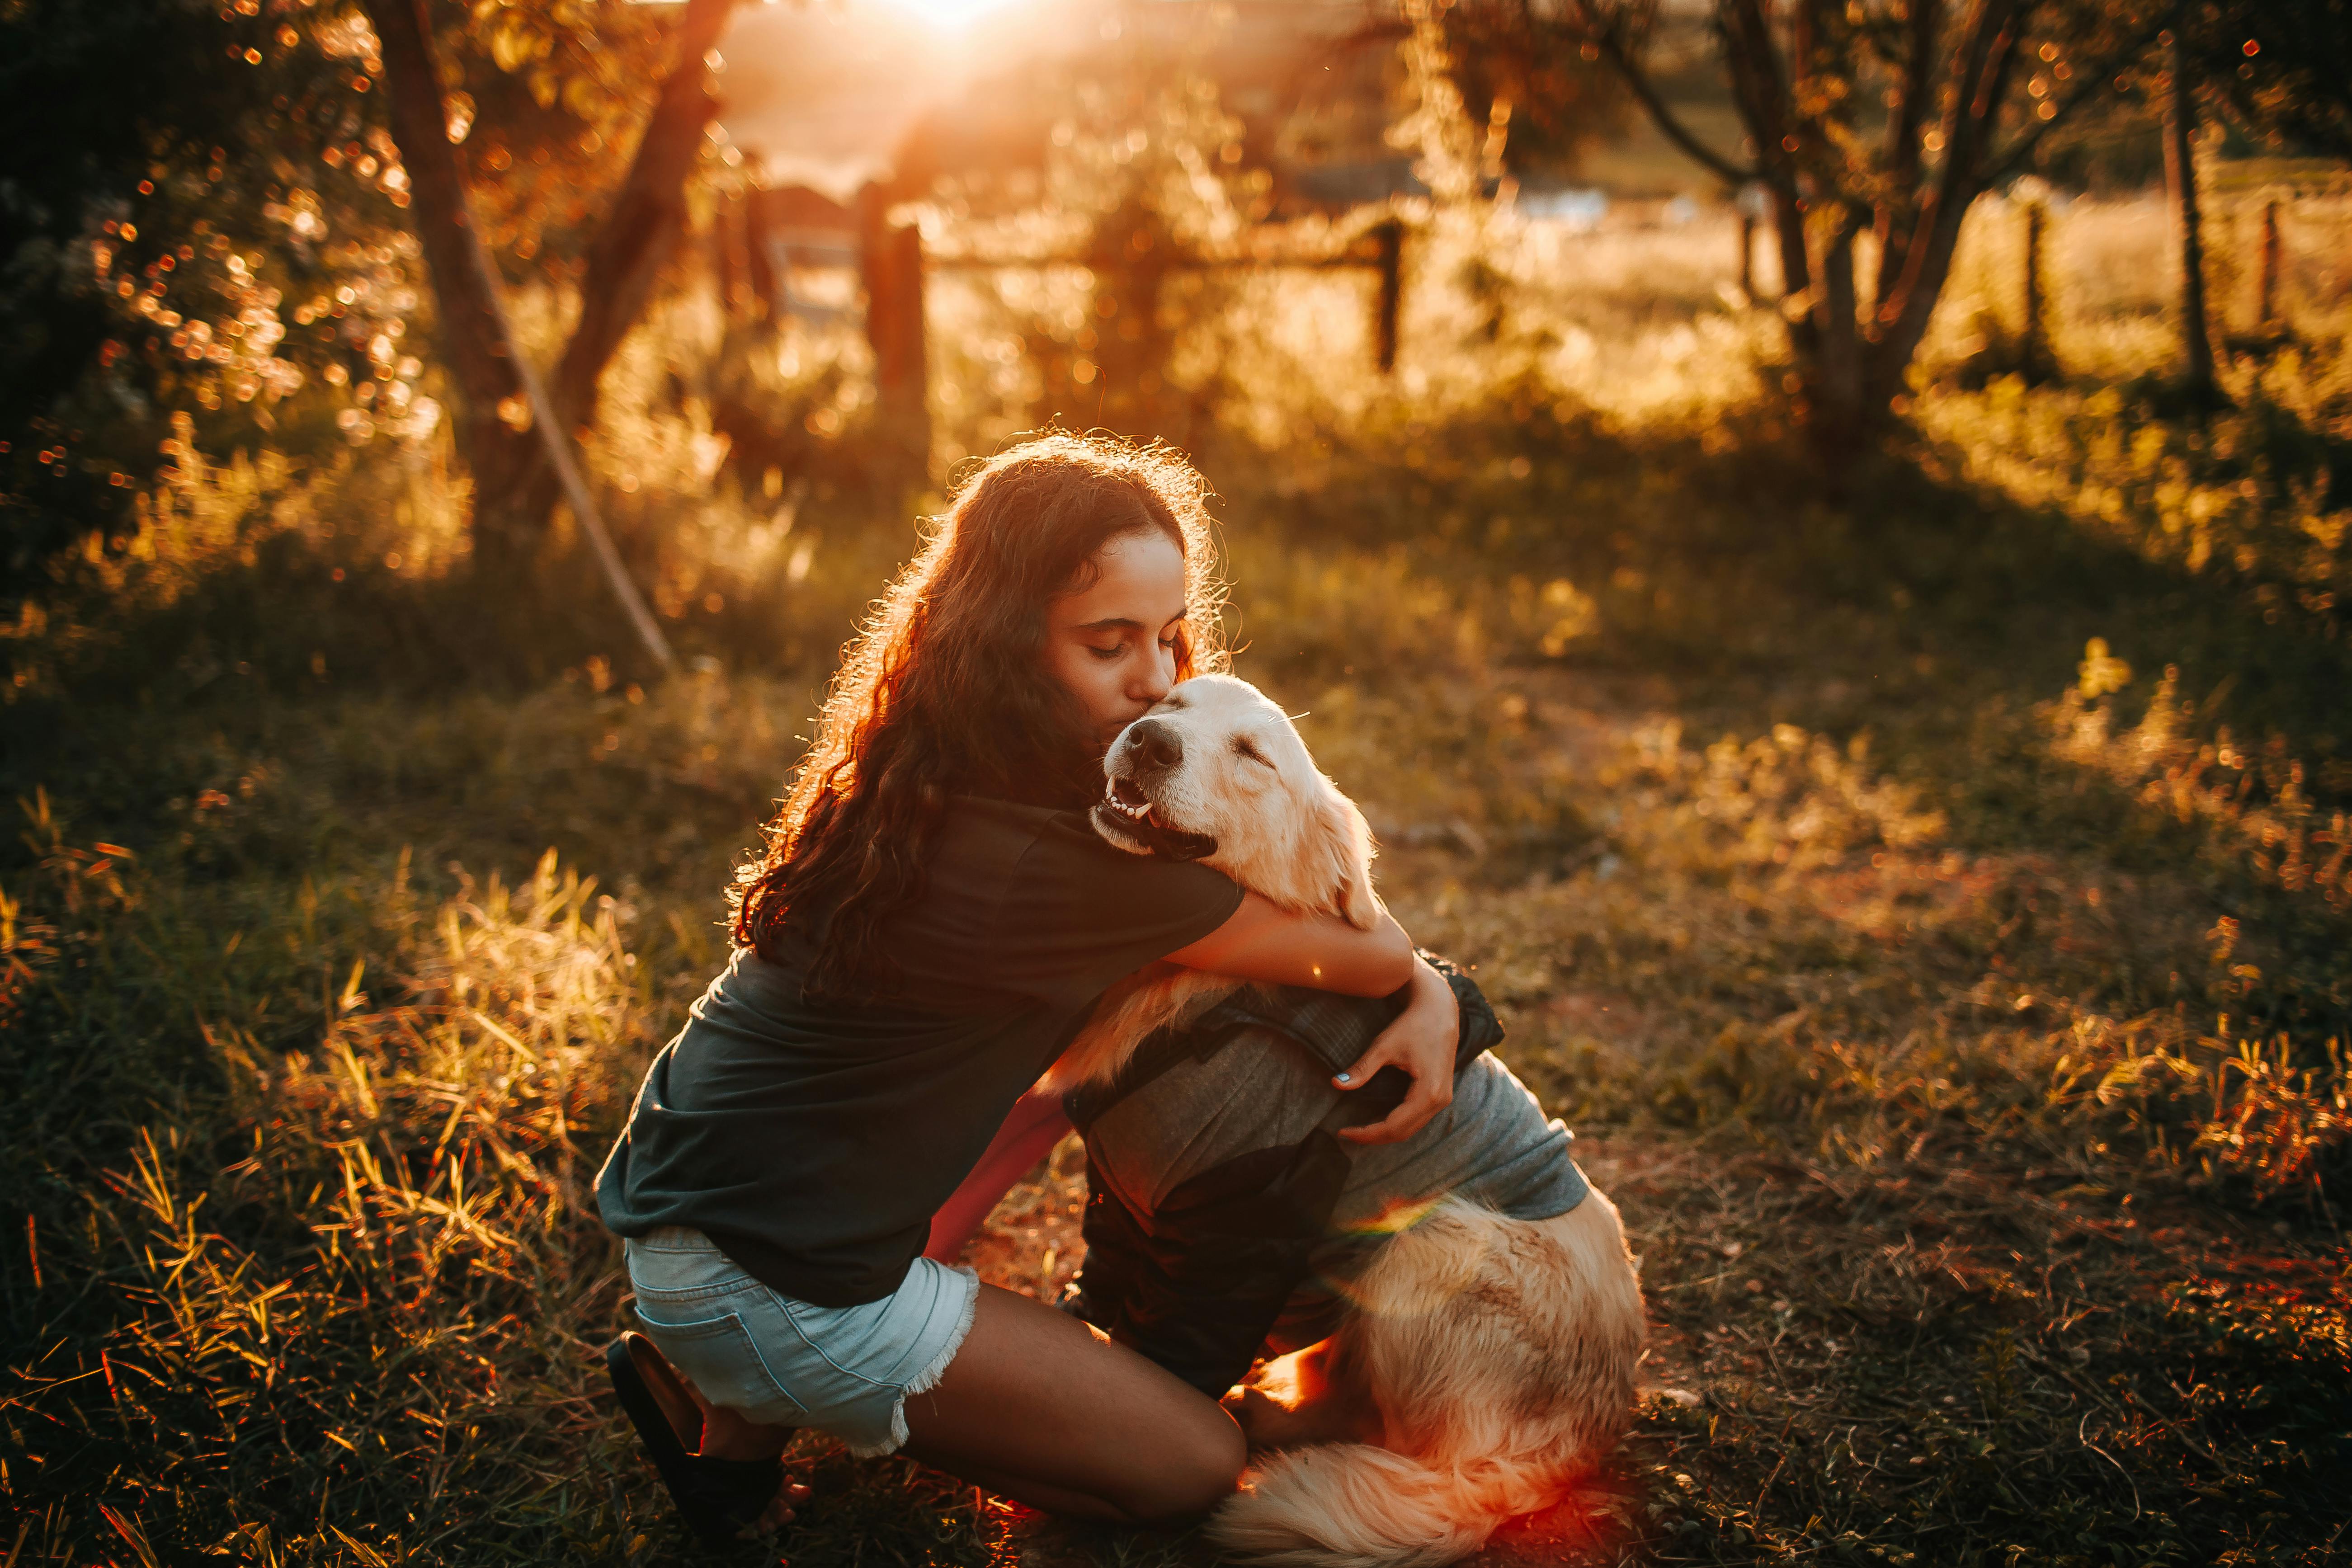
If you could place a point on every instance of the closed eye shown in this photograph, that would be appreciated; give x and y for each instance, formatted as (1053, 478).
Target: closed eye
(1248, 748)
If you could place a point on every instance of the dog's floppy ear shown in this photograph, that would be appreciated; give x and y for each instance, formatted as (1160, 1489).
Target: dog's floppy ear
(1348, 842)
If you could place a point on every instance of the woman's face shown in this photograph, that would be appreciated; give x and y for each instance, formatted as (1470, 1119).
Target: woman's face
(1112, 645)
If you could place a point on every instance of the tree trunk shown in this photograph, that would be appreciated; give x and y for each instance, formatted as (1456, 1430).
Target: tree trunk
(1841, 418)
(1930, 238)
(471, 326)
(2181, 174)
(1796, 271)
(479, 336)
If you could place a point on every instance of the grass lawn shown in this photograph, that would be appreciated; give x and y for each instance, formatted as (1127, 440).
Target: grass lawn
(1924, 888)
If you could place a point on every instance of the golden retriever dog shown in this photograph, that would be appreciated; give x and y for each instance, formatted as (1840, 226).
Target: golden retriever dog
(1216, 754)
(1483, 1363)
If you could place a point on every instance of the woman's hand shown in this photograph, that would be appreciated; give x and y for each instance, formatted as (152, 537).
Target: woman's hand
(1420, 1044)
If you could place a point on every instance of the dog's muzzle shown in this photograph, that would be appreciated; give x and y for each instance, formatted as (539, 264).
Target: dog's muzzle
(1127, 812)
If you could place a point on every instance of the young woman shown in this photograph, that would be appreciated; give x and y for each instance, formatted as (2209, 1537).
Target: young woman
(932, 923)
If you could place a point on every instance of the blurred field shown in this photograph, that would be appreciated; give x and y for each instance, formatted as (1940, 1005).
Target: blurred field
(1927, 891)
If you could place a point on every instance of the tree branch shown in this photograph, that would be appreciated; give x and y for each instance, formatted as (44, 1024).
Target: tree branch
(1992, 90)
(1897, 197)
(646, 214)
(1612, 46)
(1903, 125)
(1936, 212)
(1762, 93)
(2091, 84)
(1903, 310)
(1768, 90)
(623, 260)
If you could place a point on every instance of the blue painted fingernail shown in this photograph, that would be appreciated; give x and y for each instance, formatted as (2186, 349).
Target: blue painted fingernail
(1343, 1078)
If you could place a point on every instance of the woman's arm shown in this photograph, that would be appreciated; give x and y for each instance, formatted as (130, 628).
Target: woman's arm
(1262, 942)
(1028, 1135)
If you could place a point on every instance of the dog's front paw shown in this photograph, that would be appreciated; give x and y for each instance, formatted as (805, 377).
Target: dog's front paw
(1304, 1398)
(1264, 1421)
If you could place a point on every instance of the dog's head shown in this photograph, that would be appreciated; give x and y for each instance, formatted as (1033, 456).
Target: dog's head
(1215, 772)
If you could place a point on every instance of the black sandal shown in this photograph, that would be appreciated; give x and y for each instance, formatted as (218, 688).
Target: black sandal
(718, 1497)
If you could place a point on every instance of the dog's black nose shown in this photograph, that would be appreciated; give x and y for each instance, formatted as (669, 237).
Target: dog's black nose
(1158, 746)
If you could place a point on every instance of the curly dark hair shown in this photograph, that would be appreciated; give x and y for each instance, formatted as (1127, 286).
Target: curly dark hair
(944, 691)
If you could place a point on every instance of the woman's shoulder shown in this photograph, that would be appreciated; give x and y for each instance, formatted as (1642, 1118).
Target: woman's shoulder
(988, 813)
(990, 837)
(1032, 874)
(1054, 842)
(1020, 836)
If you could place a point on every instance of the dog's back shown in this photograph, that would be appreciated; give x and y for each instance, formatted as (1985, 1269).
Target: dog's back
(1483, 1284)
(1500, 1353)
(1494, 1143)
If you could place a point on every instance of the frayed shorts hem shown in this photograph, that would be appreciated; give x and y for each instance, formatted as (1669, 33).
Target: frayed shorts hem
(847, 1371)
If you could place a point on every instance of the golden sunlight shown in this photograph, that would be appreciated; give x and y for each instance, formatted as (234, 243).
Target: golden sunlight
(948, 15)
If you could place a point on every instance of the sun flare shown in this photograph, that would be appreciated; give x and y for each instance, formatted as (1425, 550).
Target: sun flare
(947, 15)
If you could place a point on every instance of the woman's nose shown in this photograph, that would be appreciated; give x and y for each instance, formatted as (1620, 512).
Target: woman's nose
(1156, 677)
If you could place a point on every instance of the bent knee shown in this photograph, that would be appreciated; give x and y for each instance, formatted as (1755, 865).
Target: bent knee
(1191, 1476)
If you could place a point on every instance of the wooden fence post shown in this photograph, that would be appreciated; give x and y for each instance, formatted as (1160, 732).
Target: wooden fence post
(725, 226)
(758, 256)
(2266, 270)
(2039, 361)
(1390, 238)
(891, 260)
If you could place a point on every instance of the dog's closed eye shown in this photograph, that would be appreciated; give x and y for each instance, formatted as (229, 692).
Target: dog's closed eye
(1248, 748)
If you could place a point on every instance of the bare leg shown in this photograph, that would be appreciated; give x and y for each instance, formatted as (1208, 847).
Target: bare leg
(1029, 1133)
(1036, 1406)
(1042, 1408)
(711, 1430)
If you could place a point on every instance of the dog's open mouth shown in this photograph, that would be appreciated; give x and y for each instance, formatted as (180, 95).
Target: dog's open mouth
(1126, 813)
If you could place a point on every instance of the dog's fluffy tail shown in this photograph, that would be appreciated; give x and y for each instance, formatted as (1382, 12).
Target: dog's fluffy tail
(1350, 1506)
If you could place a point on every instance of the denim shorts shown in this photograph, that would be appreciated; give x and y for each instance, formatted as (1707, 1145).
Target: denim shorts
(843, 1370)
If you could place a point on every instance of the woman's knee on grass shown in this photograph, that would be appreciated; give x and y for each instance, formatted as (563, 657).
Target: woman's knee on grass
(1196, 1470)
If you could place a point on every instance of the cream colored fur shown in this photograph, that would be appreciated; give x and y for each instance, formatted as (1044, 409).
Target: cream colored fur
(1500, 1353)
(1500, 1356)
(1283, 830)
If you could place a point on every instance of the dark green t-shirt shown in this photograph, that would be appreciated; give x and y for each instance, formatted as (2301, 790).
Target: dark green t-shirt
(814, 1140)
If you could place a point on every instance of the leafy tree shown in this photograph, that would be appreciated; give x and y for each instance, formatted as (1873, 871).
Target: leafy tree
(204, 211)
(2282, 71)
(1521, 70)
(1872, 126)
(198, 214)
